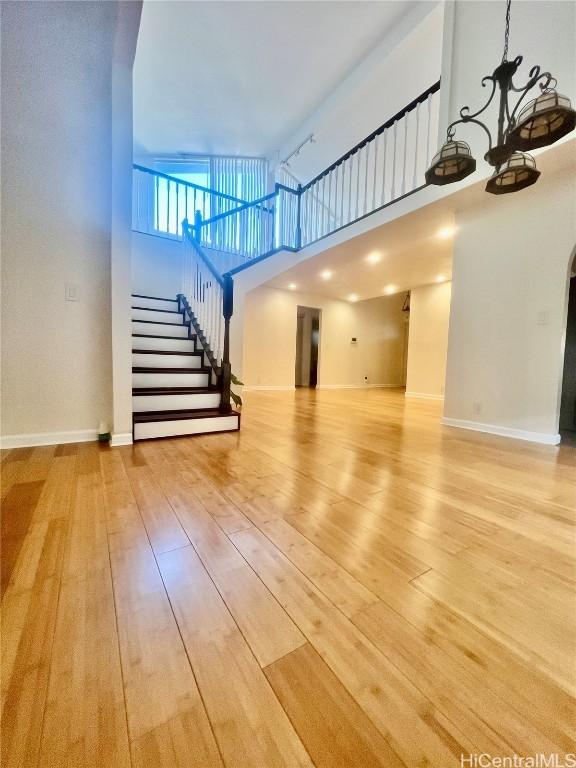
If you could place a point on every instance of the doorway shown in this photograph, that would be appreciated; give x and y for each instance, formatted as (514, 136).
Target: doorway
(307, 345)
(568, 397)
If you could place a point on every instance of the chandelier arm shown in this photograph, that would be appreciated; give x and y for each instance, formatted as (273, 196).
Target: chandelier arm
(465, 110)
(547, 79)
(467, 119)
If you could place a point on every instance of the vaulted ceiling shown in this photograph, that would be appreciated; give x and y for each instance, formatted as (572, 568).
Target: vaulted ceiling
(238, 77)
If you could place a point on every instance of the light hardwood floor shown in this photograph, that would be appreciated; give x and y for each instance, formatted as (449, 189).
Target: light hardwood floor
(342, 583)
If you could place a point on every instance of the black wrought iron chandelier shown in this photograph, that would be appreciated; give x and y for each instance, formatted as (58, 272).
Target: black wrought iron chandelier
(539, 123)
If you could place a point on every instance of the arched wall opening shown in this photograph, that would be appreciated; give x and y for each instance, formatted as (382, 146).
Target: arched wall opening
(567, 417)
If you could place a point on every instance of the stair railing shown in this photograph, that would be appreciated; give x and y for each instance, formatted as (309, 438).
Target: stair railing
(207, 300)
(387, 166)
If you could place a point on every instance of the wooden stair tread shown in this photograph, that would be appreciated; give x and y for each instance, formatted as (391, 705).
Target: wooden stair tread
(154, 298)
(192, 336)
(165, 351)
(174, 390)
(207, 413)
(155, 309)
(157, 322)
(140, 369)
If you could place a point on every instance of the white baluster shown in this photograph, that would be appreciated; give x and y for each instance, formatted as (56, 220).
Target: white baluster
(414, 178)
(403, 185)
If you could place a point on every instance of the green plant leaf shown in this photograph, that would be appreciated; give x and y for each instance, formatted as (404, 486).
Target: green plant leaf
(237, 399)
(236, 380)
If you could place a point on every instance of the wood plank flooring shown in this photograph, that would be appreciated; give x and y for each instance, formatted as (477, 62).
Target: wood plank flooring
(344, 583)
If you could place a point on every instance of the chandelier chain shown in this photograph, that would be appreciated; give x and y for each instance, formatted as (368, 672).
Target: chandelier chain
(507, 31)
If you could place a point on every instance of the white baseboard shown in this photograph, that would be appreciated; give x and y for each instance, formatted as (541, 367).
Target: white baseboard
(120, 438)
(359, 386)
(265, 388)
(517, 434)
(424, 396)
(48, 438)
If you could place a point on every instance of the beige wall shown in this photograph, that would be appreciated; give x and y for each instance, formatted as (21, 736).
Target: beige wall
(428, 340)
(56, 219)
(508, 309)
(270, 339)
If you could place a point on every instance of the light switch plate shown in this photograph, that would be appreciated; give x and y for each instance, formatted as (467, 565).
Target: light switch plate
(71, 292)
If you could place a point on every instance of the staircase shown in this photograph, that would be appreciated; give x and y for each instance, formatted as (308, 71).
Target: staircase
(182, 370)
(175, 389)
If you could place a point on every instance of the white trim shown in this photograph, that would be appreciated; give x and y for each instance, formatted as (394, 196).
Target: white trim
(120, 438)
(265, 388)
(517, 434)
(48, 438)
(359, 386)
(424, 395)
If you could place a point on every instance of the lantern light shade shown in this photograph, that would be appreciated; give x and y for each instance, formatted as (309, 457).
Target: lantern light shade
(452, 163)
(543, 121)
(517, 173)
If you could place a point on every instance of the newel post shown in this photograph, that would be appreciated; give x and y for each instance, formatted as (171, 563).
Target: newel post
(226, 375)
(298, 219)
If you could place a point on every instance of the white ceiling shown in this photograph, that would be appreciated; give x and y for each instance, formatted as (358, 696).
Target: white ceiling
(237, 77)
(410, 253)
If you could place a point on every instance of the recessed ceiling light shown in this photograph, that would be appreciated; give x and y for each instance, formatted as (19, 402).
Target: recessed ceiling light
(390, 289)
(326, 274)
(445, 233)
(440, 278)
(353, 297)
(374, 257)
(292, 286)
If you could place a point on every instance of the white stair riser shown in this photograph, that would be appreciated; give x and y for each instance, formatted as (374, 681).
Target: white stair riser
(153, 329)
(169, 379)
(158, 317)
(143, 403)
(166, 361)
(164, 345)
(138, 301)
(184, 427)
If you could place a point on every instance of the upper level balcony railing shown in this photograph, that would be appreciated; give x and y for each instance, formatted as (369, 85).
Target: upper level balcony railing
(383, 168)
(386, 166)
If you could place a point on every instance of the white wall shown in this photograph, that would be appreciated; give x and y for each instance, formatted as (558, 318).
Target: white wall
(156, 266)
(56, 219)
(428, 340)
(508, 309)
(121, 235)
(402, 67)
(270, 339)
